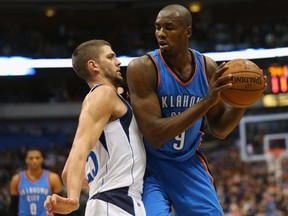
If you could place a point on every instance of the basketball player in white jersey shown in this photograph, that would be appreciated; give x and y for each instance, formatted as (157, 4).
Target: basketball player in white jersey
(107, 154)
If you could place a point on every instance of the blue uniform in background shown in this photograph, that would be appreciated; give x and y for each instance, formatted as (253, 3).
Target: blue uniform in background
(177, 173)
(32, 194)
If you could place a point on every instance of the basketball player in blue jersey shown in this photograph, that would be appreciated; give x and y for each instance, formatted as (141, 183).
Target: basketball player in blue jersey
(172, 90)
(29, 188)
(108, 154)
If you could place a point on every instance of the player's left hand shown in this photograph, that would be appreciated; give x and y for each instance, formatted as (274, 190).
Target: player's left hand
(60, 205)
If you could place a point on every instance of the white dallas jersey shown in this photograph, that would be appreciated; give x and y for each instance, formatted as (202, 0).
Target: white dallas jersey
(118, 160)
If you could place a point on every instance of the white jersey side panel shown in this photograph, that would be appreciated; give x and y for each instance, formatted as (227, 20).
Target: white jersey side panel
(118, 159)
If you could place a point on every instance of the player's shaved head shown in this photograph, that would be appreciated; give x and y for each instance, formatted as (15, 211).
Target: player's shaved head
(179, 11)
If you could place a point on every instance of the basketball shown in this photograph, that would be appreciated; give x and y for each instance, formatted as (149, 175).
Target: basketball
(248, 83)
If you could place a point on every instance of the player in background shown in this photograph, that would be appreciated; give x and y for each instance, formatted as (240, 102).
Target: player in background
(107, 155)
(172, 91)
(30, 187)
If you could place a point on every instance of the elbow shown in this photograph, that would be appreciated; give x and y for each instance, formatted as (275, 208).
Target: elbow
(157, 137)
(154, 141)
(154, 135)
(155, 145)
(219, 134)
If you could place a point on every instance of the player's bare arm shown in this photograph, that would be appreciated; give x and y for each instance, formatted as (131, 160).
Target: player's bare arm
(221, 118)
(14, 185)
(64, 177)
(55, 182)
(98, 108)
(142, 82)
(14, 203)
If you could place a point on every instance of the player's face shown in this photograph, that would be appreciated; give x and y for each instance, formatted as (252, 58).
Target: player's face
(170, 33)
(110, 66)
(34, 159)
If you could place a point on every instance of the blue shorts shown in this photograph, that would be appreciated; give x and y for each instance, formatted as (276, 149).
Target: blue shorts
(187, 186)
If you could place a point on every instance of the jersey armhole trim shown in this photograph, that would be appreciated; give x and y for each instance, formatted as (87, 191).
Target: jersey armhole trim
(156, 70)
(204, 61)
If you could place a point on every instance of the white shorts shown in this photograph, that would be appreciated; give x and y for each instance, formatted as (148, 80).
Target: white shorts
(114, 204)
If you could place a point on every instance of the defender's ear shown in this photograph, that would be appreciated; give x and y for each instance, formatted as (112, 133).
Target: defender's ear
(92, 66)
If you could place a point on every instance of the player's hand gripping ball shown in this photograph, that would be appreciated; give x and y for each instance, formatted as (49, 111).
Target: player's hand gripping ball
(248, 83)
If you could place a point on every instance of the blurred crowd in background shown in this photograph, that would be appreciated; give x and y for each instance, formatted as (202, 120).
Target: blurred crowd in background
(29, 31)
(137, 39)
(244, 189)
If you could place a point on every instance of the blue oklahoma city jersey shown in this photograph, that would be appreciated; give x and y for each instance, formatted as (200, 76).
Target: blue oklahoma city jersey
(32, 194)
(175, 96)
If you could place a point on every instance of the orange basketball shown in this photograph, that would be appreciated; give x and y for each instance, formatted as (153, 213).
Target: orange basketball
(247, 83)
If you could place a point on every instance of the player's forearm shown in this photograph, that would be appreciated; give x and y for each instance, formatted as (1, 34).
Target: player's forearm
(64, 177)
(64, 172)
(160, 130)
(13, 207)
(74, 181)
(75, 170)
(227, 122)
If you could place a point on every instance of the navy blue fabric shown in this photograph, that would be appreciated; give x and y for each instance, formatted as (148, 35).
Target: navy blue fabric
(118, 197)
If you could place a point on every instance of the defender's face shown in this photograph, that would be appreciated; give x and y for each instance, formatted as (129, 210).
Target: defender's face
(169, 32)
(109, 65)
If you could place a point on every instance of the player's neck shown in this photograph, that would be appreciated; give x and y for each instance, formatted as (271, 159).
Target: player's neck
(179, 61)
(34, 174)
(93, 84)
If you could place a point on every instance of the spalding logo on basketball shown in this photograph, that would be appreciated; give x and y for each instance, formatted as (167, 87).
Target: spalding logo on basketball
(248, 83)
